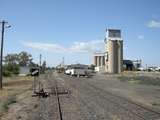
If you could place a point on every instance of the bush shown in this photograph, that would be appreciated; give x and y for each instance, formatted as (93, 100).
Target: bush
(6, 73)
(9, 69)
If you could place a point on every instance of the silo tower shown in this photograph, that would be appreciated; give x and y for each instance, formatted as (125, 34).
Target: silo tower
(114, 51)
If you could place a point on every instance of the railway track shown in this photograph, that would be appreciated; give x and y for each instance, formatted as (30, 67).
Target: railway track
(142, 112)
(54, 90)
(58, 101)
(109, 101)
(57, 90)
(123, 108)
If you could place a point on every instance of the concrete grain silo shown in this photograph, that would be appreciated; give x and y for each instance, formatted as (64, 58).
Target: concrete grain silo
(120, 56)
(114, 51)
(112, 56)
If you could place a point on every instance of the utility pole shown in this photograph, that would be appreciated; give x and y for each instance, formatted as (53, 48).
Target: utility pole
(1, 55)
(40, 60)
(63, 61)
(40, 71)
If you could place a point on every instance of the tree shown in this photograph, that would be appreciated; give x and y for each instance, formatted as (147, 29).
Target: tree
(10, 69)
(24, 59)
(11, 59)
(11, 65)
(13, 62)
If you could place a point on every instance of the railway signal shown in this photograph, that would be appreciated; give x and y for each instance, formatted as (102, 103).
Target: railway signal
(35, 71)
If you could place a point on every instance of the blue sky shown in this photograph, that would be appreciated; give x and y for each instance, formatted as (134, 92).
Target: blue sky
(74, 29)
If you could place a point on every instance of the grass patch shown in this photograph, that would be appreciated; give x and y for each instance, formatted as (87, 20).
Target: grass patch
(146, 80)
(4, 105)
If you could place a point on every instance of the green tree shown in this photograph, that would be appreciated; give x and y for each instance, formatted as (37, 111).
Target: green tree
(24, 59)
(12, 68)
(11, 65)
(13, 62)
(11, 59)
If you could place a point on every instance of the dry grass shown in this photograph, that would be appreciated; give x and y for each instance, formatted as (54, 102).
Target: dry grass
(13, 86)
(146, 80)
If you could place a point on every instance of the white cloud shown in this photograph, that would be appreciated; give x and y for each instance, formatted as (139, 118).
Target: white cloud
(140, 37)
(76, 47)
(44, 46)
(153, 24)
(91, 46)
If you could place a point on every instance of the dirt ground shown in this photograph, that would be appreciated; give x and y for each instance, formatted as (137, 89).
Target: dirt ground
(86, 98)
(12, 87)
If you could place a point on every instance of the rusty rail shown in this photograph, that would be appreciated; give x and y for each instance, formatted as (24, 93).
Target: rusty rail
(58, 101)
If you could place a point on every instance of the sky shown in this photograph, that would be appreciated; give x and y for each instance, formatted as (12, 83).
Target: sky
(75, 29)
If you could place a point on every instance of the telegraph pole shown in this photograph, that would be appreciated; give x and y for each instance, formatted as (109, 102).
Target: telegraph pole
(63, 61)
(40, 62)
(40, 59)
(1, 55)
